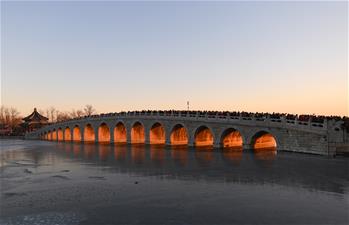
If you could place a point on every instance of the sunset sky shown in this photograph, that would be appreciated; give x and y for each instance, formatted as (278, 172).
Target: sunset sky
(252, 56)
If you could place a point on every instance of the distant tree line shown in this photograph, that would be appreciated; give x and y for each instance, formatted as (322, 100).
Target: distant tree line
(55, 115)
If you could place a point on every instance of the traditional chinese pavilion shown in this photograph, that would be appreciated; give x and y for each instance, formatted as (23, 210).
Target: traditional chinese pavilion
(34, 121)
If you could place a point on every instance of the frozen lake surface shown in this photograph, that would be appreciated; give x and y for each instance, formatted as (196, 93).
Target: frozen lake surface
(69, 183)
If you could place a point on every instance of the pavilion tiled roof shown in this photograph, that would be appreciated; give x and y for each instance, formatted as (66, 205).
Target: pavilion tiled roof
(35, 116)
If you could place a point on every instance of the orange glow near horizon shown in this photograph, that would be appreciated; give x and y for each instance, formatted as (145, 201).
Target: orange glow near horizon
(179, 135)
(60, 134)
(137, 133)
(76, 134)
(120, 135)
(157, 134)
(103, 133)
(232, 140)
(265, 141)
(67, 134)
(203, 137)
(89, 134)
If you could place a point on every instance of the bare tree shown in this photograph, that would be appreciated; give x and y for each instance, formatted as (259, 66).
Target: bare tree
(89, 110)
(62, 116)
(79, 113)
(52, 112)
(15, 119)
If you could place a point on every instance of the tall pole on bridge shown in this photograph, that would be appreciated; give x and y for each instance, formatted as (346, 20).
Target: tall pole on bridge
(188, 105)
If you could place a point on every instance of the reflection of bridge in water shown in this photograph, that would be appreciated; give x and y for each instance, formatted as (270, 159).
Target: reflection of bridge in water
(194, 129)
(243, 167)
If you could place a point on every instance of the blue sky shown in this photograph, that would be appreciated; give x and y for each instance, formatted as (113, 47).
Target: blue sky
(253, 56)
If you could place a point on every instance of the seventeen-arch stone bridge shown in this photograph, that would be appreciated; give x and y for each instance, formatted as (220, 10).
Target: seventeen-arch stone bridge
(193, 128)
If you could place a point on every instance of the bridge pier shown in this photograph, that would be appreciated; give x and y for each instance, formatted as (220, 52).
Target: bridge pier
(247, 146)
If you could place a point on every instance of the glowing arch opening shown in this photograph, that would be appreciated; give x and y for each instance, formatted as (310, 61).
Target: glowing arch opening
(179, 135)
(54, 135)
(67, 134)
(76, 134)
(49, 136)
(203, 137)
(232, 139)
(157, 134)
(120, 135)
(264, 140)
(137, 133)
(89, 134)
(60, 134)
(103, 133)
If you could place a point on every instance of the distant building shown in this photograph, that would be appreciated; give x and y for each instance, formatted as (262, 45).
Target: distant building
(34, 121)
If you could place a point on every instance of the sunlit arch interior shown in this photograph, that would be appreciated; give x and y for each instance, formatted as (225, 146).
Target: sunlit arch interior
(89, 134)
(120, 135)
(49, 135)
(157, 134)
(54, 135)
(76, 133)
(264, 140)
(60, 134)
(231, 139)
(203, 137)
(103, 133)
(137, 133)
(179, 135)
(67, 134)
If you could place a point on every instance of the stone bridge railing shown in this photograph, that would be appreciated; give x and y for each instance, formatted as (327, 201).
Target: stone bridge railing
(289, 134)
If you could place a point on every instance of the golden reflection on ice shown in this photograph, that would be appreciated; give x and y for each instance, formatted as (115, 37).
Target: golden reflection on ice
(120, 135)
(120, 152)
(89, 151)
(157, 134)
(76, 134)
(233, 155)
(103, 152)
(137, 133)
(89, 134)
(203, 137)
(137, 154)
(103, 133)
(179, 154)
(204, 157)
(67, 134)
(179, 135)
(157, 154)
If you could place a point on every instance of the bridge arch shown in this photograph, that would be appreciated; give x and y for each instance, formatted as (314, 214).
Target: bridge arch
(76, 133)
(137, 133)
(89, 133)
(67, 134)
(231, 138)
(203, 136)
(49, 135)
(157, 134)
(264, 140)
(103, 133)
(54, 135)
(120, 133)
(179, 135)
(60, 134)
